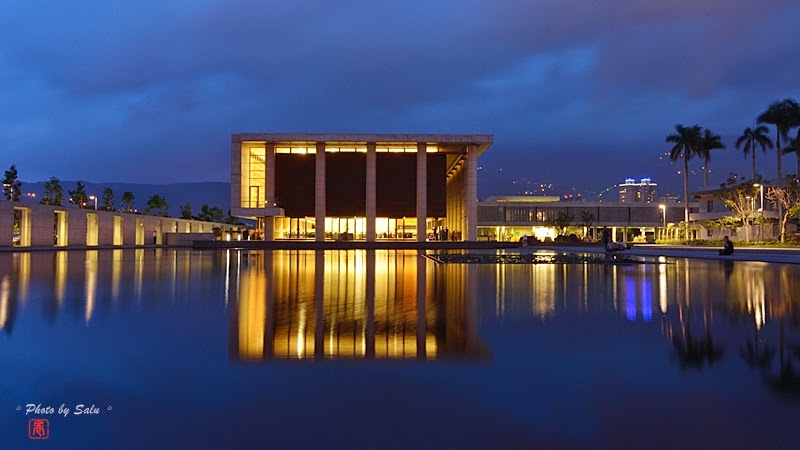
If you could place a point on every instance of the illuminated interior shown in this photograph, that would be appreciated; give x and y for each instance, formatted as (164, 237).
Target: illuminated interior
(254, 185)
(351, 228)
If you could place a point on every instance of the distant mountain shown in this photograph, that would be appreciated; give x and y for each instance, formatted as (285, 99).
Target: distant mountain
(208, 192)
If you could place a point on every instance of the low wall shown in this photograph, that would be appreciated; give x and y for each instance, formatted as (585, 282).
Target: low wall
(187, 239)
(68, 226)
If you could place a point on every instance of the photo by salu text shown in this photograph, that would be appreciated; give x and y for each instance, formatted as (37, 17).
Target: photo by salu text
(63, 410)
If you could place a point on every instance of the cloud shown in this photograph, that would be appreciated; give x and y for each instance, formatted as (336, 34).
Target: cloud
(126, 84)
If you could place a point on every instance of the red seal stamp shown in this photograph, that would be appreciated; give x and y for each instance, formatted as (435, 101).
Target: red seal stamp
(38, 428)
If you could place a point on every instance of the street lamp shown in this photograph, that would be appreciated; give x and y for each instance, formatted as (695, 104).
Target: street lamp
(92, 197)
(663, 209)
(761, 195)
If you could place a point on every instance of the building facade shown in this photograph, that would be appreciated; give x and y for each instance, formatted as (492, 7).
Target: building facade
(643, 191)
(357, 186)
(762, 223)
(34, 225)
(510, 218)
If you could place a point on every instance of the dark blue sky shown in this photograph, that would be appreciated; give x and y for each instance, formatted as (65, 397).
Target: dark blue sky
(576, 92)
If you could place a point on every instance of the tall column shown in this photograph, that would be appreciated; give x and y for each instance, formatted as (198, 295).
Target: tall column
(422, 191)
(319, 192)
(448, 203)
(471, 193)
(460, 201)
(269, 194)
(372, 193)
(236, 174)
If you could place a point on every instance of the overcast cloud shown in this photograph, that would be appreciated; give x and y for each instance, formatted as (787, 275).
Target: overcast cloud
(150, 91)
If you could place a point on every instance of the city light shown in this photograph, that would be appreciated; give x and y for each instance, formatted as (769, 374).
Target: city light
(761, 192)
(92, 197)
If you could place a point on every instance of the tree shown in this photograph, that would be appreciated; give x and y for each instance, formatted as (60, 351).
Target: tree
(560, 222)
(186, 211)
(787, 197)
(232, 220)
(108, 199)
(79, 196)
(53, 192)
(157, 206)
(12, 187)
(794, 147)
(687, 141)
(210, 214)
(738, 196)
(751, 138)
(587, 219)
(708, 142)
(711, 225)
(728, 223)
(127, 201)
(784, 115)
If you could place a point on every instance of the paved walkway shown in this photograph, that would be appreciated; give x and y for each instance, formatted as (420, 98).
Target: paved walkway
(776, 255)
(764, 254)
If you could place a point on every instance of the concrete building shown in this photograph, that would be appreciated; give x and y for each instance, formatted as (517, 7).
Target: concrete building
(357, 186)
(643, 191)
(762, 222)
(509, 218)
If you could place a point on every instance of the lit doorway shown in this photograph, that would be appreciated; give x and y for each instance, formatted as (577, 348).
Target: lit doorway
(60, 229)
(22, 227)
(91, 229)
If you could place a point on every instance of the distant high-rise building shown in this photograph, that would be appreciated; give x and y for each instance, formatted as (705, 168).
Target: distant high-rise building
(632, 191)
(670, 198)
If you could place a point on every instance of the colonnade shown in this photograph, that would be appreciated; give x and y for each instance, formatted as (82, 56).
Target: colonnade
(461, 195)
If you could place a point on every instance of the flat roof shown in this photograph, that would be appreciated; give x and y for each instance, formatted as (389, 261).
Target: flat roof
(483, 141)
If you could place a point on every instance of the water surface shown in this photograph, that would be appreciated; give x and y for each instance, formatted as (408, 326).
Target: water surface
(386, 349)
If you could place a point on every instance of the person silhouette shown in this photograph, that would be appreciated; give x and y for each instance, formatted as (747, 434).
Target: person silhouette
(727, 247)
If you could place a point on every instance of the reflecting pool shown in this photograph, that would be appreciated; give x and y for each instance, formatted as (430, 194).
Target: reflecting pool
(163, 348)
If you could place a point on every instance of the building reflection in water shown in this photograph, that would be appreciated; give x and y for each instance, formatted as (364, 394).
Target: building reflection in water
(398, 304)
(352, 304)
(643, 292)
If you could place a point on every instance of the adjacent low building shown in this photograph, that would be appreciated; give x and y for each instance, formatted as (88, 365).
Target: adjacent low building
(762, 221)
(509, 218)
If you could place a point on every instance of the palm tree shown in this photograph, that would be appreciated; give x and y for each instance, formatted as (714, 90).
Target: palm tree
(751, 138)
(784, 114)
(686, 140)
(794, 147)
(708, 142)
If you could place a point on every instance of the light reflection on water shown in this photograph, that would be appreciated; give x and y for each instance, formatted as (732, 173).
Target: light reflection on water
(387, 304)
(366, 304)
(299, 304)
(534, 337)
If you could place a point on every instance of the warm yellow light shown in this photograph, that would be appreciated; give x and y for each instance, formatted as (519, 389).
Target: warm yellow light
(5, 293)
